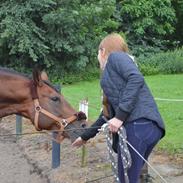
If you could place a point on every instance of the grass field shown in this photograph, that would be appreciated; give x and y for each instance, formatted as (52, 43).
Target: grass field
(162, 86)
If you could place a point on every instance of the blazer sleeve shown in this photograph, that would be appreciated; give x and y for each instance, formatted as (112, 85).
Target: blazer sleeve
(128, 71)
(91, 132)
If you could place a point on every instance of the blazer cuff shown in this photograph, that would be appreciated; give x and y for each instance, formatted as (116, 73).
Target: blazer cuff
(85, 137)
(121, 115)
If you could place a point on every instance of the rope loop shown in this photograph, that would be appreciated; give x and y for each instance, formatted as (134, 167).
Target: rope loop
(125, 154)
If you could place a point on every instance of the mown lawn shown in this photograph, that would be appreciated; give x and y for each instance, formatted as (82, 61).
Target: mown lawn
(162, 86)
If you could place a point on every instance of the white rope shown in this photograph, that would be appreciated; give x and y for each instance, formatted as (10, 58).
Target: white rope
(155, 171)
(169, 100)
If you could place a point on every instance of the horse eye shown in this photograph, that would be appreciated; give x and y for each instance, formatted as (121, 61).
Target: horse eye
(55, 99)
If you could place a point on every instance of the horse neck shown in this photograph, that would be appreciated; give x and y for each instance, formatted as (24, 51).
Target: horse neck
(14, 94)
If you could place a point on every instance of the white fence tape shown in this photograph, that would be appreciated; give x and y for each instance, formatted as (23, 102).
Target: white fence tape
(169, 100)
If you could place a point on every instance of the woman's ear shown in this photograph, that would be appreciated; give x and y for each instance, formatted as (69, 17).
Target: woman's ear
(104, 54)
(44, 76)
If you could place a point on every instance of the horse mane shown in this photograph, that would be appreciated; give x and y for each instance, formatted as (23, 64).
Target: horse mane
(11, 71)
(36, 76)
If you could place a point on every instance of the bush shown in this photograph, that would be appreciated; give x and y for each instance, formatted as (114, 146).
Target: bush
(170, 62)
(61, 76)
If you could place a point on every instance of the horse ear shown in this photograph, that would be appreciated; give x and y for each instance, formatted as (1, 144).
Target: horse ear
(37, 77)
(44, 76)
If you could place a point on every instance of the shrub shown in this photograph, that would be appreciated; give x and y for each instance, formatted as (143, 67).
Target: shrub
(170, 62)
(61, 76)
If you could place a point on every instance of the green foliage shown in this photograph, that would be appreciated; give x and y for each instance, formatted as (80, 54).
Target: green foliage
(20, 32)
(56, 34)
(178, 6)
(146, 23)
(64, 77)
(170, 62)
(63, 36)
(74, 40)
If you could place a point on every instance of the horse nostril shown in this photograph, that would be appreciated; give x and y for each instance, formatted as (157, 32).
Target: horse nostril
(83, 125)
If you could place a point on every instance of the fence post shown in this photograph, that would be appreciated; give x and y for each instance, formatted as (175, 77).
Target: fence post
(55, 152)
(56, 146)
(83, 106)
(18, 126)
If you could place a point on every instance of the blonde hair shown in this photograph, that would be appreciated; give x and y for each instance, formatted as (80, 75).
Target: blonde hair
(113, 42)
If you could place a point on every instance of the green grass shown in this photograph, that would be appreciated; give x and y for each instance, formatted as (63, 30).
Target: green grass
(162, 86)
(169, 86)
(82, 90)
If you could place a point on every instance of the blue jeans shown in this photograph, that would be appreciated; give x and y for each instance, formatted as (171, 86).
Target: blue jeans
(143, 135)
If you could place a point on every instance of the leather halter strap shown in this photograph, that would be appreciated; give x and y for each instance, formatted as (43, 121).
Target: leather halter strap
(61, 122)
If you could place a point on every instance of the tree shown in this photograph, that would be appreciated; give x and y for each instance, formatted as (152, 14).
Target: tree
(146, 22)
(63, 35)
(22, 33)
(57, 34)
(75, 28)
(178, 6)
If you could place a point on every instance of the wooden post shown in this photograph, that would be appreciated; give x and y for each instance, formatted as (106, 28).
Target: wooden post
(56, 146)
(18, 126)
(83, 106)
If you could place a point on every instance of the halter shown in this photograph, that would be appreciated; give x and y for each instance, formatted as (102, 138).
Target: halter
(60, 122)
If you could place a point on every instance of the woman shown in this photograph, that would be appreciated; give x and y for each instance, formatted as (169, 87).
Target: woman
(130, 103)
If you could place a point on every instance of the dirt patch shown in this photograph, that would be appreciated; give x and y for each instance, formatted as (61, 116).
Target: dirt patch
(14, 166)
(163, 158)
(36, 149)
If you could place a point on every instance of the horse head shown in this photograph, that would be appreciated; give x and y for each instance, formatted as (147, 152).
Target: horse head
(50, 110)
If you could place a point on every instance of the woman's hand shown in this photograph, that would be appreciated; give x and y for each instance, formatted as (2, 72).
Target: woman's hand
(78, 142)
(114, 124)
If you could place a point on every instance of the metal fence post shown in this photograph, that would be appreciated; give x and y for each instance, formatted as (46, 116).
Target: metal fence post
(56, 146)
(55, 152)
(18, 126)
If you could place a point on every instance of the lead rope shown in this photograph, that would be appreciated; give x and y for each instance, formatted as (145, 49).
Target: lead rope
(125, 154)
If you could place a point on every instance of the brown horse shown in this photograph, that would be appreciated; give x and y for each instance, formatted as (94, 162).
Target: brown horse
(39, 101)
